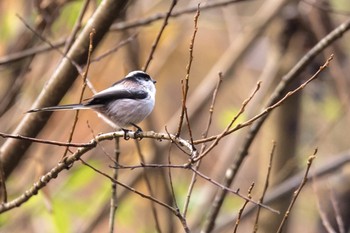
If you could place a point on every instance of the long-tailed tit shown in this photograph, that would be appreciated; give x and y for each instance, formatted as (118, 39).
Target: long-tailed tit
(127, 102)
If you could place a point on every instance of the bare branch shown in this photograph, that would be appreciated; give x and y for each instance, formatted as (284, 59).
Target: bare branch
(185, 84)
(236, 192)
(238, 220)
(266, 185)
(84, 76)
(220, 136)
(13, 57)
(113, 202)
(297, 192)
(70, 160)
(156, 41)
(205, 134)
(149, 187)
(189, 10)
(44, 141)
(77, 27)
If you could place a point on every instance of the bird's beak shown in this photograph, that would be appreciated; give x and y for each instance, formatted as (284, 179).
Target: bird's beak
(154, 81)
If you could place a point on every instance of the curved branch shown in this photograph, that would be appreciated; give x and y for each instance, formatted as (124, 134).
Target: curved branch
(69, 161)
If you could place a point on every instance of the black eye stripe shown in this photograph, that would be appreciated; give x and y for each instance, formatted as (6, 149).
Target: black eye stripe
(143, 76)
(140, 76)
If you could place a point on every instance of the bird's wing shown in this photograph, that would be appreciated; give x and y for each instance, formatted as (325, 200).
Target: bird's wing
(111, 94)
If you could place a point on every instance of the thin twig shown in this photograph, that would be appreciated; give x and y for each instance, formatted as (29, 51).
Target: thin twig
(179, 215)
(232, 170)
(84, 76)
(236, 192)
(13, 57)
(151, 165)
(44, 141)
(119, 27)
(144, 22)
(240, 212)
(76, 27)
(187, 166)
(194, 151)
(115, 48)
(185, 83)
(113, 202)
(76, 65)
(71, 159)
(205, 134)
(12, 151)
(156, 41)
(297, 192)
(271, 107)
(227, 129)
(327, 168)
(131, 189)
(149, 187)
(266, 185)
(174, 200)
(105, 152)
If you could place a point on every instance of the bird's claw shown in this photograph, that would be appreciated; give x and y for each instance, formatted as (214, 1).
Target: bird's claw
(138, 133)
(126, 137)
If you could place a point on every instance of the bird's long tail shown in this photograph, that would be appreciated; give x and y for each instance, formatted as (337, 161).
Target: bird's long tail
(59, 107)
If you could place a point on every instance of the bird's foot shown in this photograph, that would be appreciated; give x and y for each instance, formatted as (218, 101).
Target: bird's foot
(138, 132)
(126, 137)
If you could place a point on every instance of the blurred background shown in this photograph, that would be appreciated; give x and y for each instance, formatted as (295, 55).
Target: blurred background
(247, 41)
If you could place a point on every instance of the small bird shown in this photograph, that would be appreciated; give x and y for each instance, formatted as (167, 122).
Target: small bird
(126, 103)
